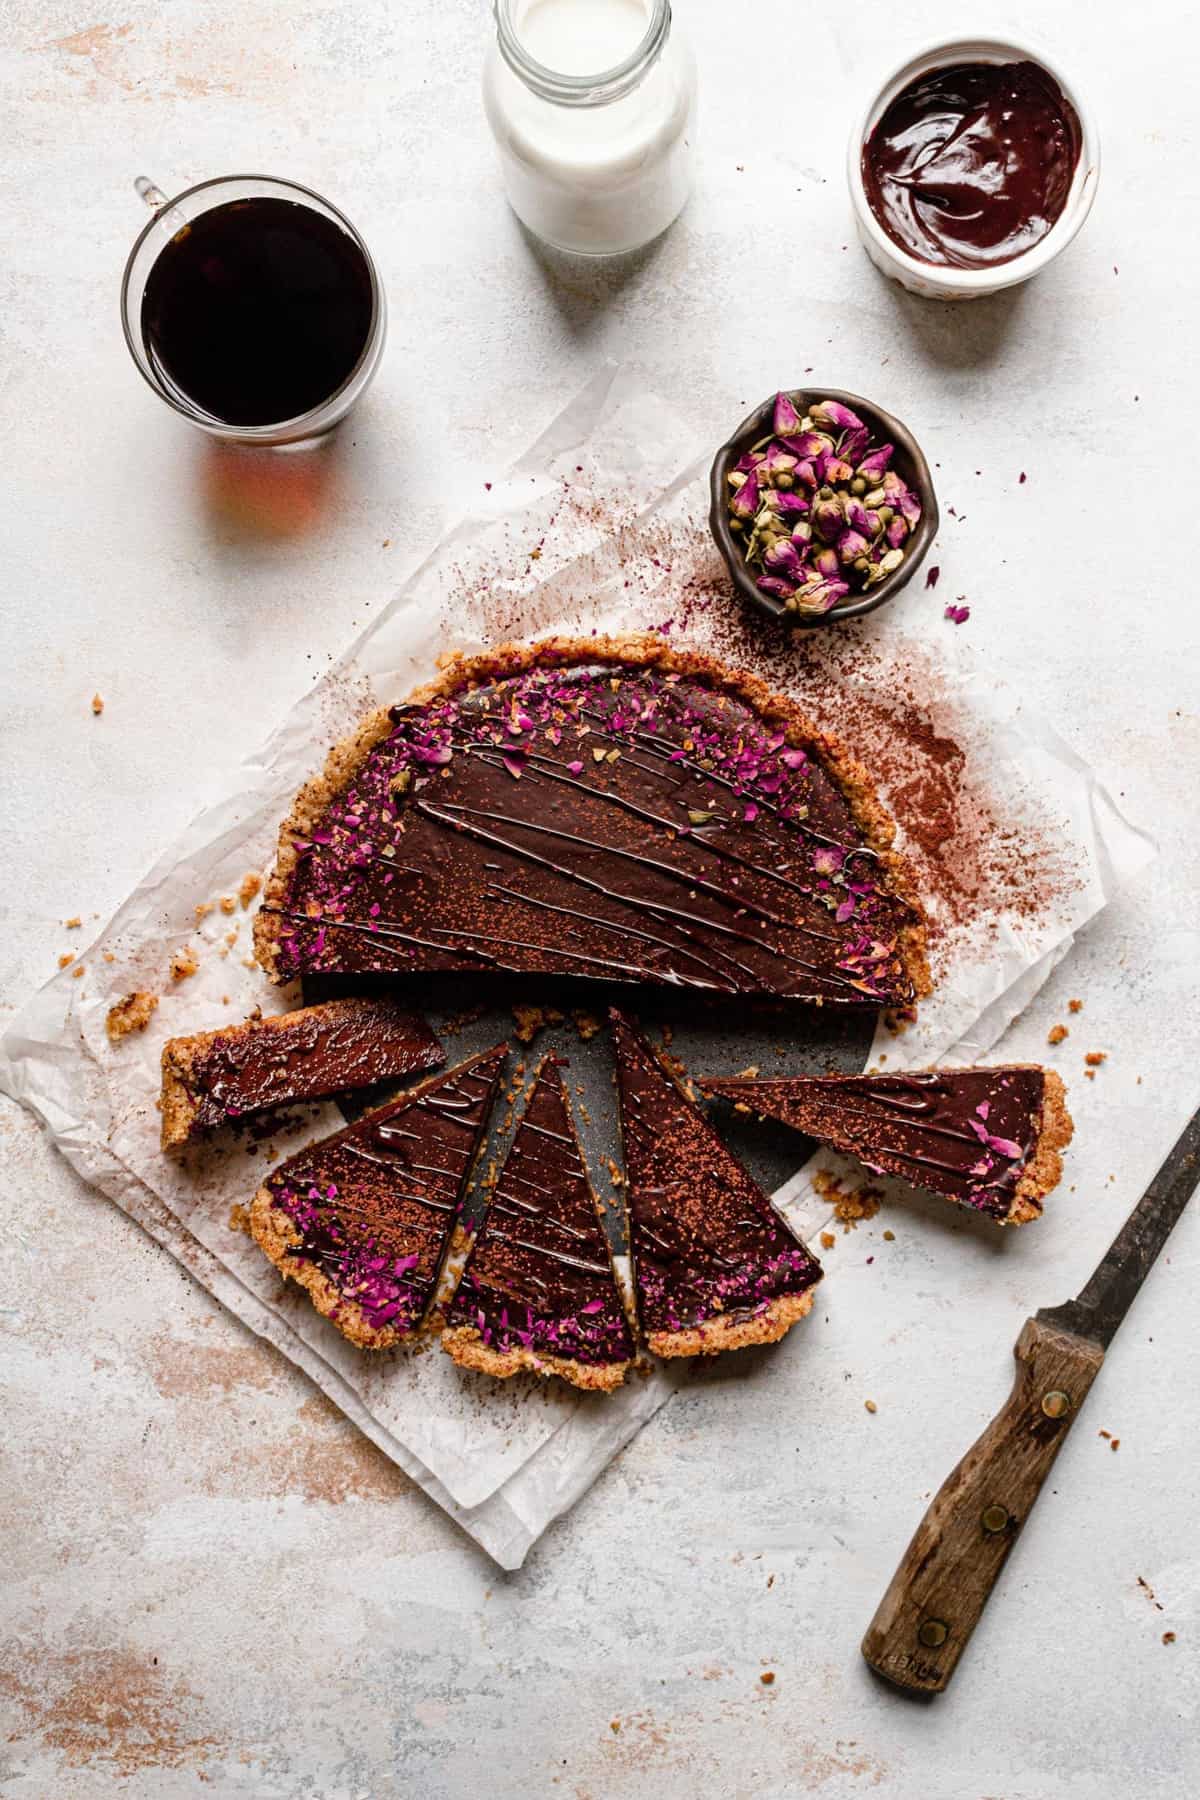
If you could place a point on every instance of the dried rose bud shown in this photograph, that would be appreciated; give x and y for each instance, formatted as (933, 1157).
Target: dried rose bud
(837, 471)
(858, 518)
(735, 479)
(828, 519)
(802, 532)
(832, 414)
(786, 420)
(891, 559)
(777, 588)
(777, 461)
(826, 563)
(791, 506)
(746, 465)
(821, 596)
(807, 444)
(806, 475)
(744, 504)
(852, 444)
(902, 497)
(851, 545)
(784, 558)
(897, 531)
(872, 467)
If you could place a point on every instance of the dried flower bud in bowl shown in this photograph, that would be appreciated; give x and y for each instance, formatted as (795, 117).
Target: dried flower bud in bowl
(822, 506)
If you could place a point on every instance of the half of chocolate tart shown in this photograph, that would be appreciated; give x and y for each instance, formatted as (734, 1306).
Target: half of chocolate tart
(605, 809)
(217, 1076)
(715, 1266)
(538, 1291)
(990, 1139)
(363, 1219)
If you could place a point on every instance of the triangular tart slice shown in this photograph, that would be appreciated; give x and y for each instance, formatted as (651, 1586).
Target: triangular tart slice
(990, 1139)
(538, 1291)
(715, 1266)
(362, 1219)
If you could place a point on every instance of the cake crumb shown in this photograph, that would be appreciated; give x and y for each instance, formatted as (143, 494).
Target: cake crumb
(827, 1240)
(1115, 1444)
(184, 963)
(767, 1677)
(849, 1205)
(202, 909)
(78, 971)
(586, 1024)
(1056, 1034)
(131, 1014)
(1168, 1637)
(97, 705)
(1074, 1006)
(65, 960)
(614, 1724)
(1095, 1057)
(249, 888)
(870, 1406)
(532, 1019)
(239, 1218)
(109, 956)
(73, 924)
(228, 903)
(889, 1237)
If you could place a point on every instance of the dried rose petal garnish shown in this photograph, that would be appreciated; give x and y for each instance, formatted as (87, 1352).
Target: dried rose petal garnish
(821, 514)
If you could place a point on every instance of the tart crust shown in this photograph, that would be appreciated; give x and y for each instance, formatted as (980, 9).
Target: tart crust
(733, 1333)
(1044, 1170)
(466, 1346)
(630, 650)
(276, 1236)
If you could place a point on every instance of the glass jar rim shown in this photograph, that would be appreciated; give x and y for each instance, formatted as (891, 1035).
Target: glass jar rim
(297, 426)
(598, 89)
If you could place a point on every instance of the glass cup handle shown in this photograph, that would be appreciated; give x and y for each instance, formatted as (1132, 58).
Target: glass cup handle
(150, 192)
(169, 217)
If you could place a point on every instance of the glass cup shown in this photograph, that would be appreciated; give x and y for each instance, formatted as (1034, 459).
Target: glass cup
(171, 217)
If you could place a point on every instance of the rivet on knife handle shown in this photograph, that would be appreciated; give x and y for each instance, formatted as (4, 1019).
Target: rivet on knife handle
(939, 1591)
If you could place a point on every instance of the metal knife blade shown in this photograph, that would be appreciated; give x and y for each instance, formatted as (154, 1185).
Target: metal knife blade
(1099, 1308)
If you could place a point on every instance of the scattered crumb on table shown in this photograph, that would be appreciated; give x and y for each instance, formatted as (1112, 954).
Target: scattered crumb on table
(1056, 1034)
(97, 705)
(131, 1014)
(184, 963)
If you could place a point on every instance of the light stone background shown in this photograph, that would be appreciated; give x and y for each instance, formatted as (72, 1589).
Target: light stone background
(212, 1584)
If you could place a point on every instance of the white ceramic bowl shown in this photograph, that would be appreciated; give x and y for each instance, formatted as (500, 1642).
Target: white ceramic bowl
(932, 280)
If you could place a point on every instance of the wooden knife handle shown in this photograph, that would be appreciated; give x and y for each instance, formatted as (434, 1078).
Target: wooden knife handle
(939, 1591)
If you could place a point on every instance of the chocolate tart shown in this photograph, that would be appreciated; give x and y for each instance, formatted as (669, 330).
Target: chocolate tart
(218, 1076)
(990, 1139)
(538, 1290)
(715, 1266)
(363, 1219)
(598, 808)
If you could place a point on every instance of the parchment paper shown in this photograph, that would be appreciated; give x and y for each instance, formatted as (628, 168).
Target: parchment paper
(572, 539)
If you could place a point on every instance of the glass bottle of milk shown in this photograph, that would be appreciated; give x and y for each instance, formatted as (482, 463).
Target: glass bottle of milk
(593, 107)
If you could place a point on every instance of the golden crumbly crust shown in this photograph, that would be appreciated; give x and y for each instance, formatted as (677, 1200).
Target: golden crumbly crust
(275, 1235)
(1044, 1172)
(733, 1333)
(469, 1351)
(633, 650)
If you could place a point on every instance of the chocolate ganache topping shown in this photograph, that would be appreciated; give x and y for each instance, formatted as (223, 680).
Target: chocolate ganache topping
(705, 1239)
(375, 1204)
(968, 1134)
(540, 1278)
(297, 1056)
(972, 165)
(605, 821)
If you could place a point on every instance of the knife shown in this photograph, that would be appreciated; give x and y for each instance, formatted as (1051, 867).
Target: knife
(925, 1619)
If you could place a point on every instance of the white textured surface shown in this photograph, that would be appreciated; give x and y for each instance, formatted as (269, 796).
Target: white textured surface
(218, 1586)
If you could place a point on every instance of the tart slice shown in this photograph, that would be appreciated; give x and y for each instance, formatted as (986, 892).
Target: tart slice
(538, 1291)
(240, 1070)
(990, 1139)
(363, 1219)
(715, 1266)
(605, 809)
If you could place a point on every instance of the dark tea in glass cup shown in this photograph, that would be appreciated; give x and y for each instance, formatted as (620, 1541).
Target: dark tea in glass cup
(253, 308)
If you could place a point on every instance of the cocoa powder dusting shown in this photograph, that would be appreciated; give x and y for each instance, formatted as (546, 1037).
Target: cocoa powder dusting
(979, 856)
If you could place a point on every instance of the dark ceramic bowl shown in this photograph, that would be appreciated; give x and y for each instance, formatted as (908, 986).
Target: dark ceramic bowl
(908, 462)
